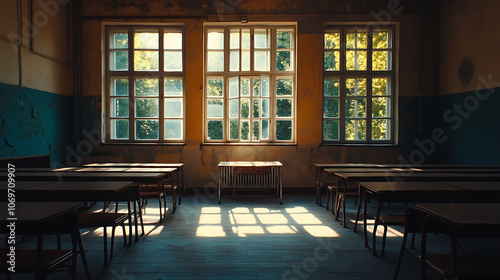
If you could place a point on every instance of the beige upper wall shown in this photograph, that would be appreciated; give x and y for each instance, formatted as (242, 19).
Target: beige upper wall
(469, 30)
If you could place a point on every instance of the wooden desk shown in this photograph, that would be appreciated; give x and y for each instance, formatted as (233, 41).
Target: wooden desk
(227, 172)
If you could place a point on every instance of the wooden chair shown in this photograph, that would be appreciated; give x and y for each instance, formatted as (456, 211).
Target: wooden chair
(251, 170)
(390, 220)
(343, 192)
(153, 191)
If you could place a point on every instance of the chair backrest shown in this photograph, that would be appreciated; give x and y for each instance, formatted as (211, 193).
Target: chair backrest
(252, 170)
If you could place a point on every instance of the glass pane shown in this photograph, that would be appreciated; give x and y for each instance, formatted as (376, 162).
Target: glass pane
(214, 87)
(355, 130)
(284, 39)
(381, 107)
(245, 87)
(172, 40)
(234, 61)
(118, 40)
(118, 61)
(331, 108)
(265, 86)
(265, 108)
(380, 86)
(381, 61)
(234, 39)
(147, 129)
(233, 129)
(356, 86)
(234, 87)
(261, 39)
(255, 130)
(119, 129)
(215, 130)
(215, 61)
(265, 129)
(283, 107)
(283, 130)
(380, 130)
(261, 60)
(245, 39)
(173, 61)
(173, 107)
(331, 87)
(215, 40)
(256, 88)
(355, 60)
(146, 40)
(234, 108)
(332, 40)
(173, 129)
(283, 61)
(381, 40)
(146, 108)
(330, 130)
(245, 61)
(119, 87)
(245, 130)
(146, 60)
(245, 108)
(173, 87)
(256, 108)
(331, 61)
(215, 108)
(355, 108)
(284, 87)
(146, 87)
(119, 107)
(356, 40)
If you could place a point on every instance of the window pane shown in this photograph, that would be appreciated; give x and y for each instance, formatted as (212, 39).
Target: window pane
(245, 130)
(173, 40)
(173, 87)
(265, 86)
(330, 130)
(381, 40)
(283, 60)
(215, 61)
(214, 87)
(261, 39)
(355, 108)
(261, 60)
(265, 129)
(119, 87)
(146, 40)
(119, 129)
(215, 130)
(381, 61)
(173, 107)
(146, 87)
(245, 61)
(234, 39)
(215, 108)
(255, 131)
(331, 87)
(215, 40)
(265, 108)
(173, 61)
(234, 129)
(284, 39)
(283, 107)
(331, 108)
(356, 86)
(245, 87)
(331, 61)
(284, 87)
(146, 107)
(146, 60)
(256, 88)
(245, 39)
(146, 129)
(119, 107)
(355, 130)
(173, 129)
(234, 108)
(332, 40)
(118, 61)
(234, 87)
(380, 86)
(380, 129)
(256, 108)
(245, 108)
(118, 40)
(356, 40)
(381, 107)
(355, 60)
(234, 61)
(284, 130)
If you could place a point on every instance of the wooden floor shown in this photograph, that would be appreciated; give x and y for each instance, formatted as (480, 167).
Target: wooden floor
(252, 237)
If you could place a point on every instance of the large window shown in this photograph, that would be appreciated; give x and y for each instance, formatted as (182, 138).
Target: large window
(250, 84)
(358, 84)
(144, 96)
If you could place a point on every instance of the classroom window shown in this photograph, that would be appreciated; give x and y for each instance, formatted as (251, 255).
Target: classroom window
(144, 93)
(358, 84)
(250, 84)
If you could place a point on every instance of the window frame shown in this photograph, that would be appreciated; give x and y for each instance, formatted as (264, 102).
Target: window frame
(272, 74)
(132, 75)
(343, 74)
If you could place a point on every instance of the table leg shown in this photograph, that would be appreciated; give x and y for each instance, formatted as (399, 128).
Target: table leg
(220, 182)
(375, 224)
(360, 198)
(365, 218)
(280, 185)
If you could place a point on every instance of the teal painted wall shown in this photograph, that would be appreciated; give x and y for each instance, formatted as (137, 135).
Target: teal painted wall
(34, 122)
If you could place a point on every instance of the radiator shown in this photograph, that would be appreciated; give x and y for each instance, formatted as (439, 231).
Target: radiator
(96, 159)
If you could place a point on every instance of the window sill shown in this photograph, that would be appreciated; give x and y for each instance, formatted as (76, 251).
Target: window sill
(142, 144)
(248, 144)
(361, 144)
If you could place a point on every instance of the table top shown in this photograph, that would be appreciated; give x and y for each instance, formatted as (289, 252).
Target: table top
(249, 163)
(134, 164)
(476, 186)
(462, 214)
(416, 176)
(20, 185)
(128, 169)
(402, 166)
(85, 176)
(380, 187)
(37, 211)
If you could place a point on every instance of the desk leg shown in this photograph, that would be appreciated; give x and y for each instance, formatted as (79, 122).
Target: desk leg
(318, 182)
(280, 185)
(220, 182)
(365, 218)
(360, 198)
(130, 231)
(377, 216)
(82, 254)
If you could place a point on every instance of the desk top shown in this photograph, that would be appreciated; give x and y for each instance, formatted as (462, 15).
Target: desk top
(249, 163)
(128, 169)
(85, 176)
(21, 185)
(416, 176)
(391, 187)
(463, 214)
(37, 211)
(134, 164)
(476, 186)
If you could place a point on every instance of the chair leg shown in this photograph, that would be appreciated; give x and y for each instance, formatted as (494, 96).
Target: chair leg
(174, 199)
(331, 202)
(105, 234)
(327, 198)
(161, 214)
(337, 207)
(112, 243)
(384, 236)
(124, 234)
(343, 212)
